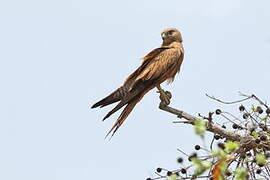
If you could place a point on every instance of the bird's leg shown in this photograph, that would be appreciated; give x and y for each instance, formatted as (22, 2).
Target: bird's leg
(165, 96)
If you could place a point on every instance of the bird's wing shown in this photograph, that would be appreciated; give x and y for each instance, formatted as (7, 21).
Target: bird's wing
(158, 65)
(145, 62)
(127, 87)
(152, 54)
(123, 91)
(162, 66)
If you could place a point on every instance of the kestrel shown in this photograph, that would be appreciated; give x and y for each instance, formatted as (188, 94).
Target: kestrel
(159, 65)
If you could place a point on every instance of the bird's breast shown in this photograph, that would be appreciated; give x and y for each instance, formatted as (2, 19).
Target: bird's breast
(175, 67)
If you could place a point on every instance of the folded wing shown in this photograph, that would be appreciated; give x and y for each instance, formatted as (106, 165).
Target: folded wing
(157, 66)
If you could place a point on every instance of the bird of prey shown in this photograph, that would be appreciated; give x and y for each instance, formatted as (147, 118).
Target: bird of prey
(159, 65)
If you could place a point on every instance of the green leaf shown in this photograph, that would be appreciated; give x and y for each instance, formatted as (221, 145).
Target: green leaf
(255, 134)
(197, 162)
(200, 127)
(240, 173)
(260, 159)
(223, 166)
(220, 177)
(206, 164)
(200, 166)
(172, 177)
(265, 117)
(253, 108)
(231, 146)
(219, 153)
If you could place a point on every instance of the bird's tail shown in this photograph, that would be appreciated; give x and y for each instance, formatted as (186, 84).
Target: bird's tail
(124, 115)
(133, 96)
(116, 108)
(112, 98)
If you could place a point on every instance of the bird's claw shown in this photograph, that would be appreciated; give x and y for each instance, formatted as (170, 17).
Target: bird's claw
(165, 97)
(169, 94)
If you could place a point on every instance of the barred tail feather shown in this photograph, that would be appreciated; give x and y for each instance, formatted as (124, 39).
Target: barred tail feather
(127, 110)
(122, 117)
(106, 101)
(116, 108)
(115, 96)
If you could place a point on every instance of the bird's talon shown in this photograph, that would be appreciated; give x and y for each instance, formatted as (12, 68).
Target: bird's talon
(162, 104)
(169, 94)
(167, 102)
(164, 98)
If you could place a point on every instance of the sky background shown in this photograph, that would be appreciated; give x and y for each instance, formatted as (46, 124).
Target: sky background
(57, 57)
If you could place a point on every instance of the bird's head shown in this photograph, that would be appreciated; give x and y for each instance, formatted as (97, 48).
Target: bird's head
(170, 35)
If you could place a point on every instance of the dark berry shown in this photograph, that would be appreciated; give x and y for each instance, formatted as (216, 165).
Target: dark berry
(218, 111)
(223, 126)
(221, 145)
(245, 116)
(180, 160)
(258, 141)
(169, 173)
(267, 111)
(258, 171)
(241, 108)
(228, 173)
(159, 170)
(235, 126)
(183, 171)
(243, 156)
(197, 147)
(263, 138)
(148, 179)
(259, 109)
(263, 127)
(217, 137)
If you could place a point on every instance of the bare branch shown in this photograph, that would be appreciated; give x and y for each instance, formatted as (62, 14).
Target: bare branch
(228, 102)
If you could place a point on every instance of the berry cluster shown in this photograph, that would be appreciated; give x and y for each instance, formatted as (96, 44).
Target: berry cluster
(242, 146)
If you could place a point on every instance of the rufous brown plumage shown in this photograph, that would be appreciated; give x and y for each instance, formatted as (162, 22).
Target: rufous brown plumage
(159, 65)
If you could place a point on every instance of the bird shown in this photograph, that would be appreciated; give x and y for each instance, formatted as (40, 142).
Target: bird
(159, 65)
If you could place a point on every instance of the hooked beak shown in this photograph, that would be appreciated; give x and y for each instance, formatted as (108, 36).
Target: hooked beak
(163, 35)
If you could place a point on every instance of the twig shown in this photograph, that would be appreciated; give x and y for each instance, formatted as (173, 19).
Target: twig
(256, 98)
(227, 102)
(182, 152)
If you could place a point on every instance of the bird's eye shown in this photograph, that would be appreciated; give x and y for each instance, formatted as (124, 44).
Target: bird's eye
(170, 33)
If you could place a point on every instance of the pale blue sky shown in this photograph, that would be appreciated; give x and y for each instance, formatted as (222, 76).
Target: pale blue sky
(57, 57)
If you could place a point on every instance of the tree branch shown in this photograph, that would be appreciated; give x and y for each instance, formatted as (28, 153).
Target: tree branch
(246, 141)
(212, 127)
